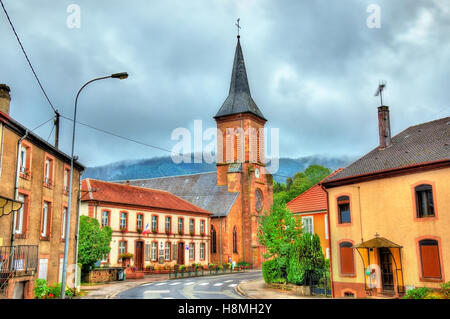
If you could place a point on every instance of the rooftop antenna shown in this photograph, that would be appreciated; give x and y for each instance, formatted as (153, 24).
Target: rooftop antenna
(238, 26)
(379, 90)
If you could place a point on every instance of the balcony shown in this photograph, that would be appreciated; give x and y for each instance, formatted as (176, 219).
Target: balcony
(18, 262)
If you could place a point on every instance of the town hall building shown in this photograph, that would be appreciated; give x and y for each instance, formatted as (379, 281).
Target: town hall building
(240, 189)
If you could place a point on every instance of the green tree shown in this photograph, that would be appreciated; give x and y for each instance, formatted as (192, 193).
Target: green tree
(278, 230)
(94, 242)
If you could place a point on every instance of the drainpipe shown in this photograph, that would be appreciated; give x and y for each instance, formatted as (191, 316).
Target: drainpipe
(77, 234)
(16, 187)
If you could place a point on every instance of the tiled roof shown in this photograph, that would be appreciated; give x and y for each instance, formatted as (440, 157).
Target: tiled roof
(133, 195)
(419, 144)
(314, 199)
(239, 99)
(199, 189)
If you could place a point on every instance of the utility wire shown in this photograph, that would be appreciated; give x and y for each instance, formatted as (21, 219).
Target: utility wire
(117, 135)
(42, 123)
(26, 57)
(53, 127)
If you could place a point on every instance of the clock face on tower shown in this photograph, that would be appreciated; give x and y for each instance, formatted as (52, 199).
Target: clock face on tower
(259, 199)
(257, 172)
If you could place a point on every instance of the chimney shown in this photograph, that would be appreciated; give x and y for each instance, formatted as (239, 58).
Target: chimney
(5, 98)
(384, 127)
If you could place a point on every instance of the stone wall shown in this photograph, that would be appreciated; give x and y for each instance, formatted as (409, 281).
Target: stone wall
(102, 275)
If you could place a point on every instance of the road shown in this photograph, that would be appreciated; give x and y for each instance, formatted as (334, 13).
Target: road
(207, 287)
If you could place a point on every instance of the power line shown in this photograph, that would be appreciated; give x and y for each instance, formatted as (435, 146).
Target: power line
(26, 56)
(42, 123)
(117, 135)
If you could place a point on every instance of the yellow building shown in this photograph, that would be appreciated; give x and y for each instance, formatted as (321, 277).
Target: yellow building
(389, 213)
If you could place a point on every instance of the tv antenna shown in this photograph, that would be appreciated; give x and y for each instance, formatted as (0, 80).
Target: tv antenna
(379, 90)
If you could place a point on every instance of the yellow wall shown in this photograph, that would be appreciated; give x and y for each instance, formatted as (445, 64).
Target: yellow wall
(319, 220)
(387, 208)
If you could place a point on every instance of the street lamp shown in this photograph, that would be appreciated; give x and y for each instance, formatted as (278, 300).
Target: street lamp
(120, 76)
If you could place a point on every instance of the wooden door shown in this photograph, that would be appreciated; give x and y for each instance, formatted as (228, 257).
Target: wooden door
(387, 276)
(139, 255)
(180, 259)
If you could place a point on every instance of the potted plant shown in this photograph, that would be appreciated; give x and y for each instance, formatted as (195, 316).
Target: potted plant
(139, 230)
(123, 230)
(180, 232)
(168, 232)
(154, 231)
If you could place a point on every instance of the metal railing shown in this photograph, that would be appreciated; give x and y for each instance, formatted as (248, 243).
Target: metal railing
(18, 261)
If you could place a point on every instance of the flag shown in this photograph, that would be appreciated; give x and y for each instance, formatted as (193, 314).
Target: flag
(146, 230)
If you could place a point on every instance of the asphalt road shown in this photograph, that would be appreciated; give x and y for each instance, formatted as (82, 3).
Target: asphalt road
(207, 287)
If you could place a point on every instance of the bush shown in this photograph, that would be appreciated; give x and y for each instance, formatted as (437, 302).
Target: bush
(445, 290)
(43, 291)
(418, 293)
(40, 288)
(272, 272)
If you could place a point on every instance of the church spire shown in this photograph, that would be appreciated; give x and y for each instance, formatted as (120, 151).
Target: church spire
(239, 99)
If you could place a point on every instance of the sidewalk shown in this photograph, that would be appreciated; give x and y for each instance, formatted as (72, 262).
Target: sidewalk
(111, 289)
(256, 289)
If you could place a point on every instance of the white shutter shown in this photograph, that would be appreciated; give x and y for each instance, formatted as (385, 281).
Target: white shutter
(43, 266)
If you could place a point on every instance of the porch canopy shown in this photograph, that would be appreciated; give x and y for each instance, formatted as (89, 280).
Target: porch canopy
(370, 253)
(8, 205)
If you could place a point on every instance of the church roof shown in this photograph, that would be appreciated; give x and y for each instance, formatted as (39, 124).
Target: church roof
(199, 189)
(239, 99)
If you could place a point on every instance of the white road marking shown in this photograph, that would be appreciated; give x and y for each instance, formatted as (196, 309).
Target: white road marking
(161, 283)
(168, 298)
(147, 285)
(228, 280)
(218, 284)
(204, 284)
(156, 291)
(189, 283)
(175, 283)
(232, 285)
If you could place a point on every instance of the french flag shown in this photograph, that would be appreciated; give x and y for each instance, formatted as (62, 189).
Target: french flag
(146, 230)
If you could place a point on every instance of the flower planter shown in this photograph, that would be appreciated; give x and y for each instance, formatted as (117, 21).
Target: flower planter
(134, 274)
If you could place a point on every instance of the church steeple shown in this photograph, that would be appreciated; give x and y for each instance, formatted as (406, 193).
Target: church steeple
(239, 99)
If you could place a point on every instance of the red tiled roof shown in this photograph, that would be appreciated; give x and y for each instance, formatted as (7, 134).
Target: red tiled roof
(314, 199)
(133, 195)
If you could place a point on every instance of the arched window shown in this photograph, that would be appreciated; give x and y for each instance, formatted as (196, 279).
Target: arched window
(213, 240)
(429, 259)
(235, 240)
(343, 203)
(347, 262)
(424, 200)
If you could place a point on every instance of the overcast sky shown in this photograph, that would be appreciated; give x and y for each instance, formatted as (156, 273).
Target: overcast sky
(313, 68)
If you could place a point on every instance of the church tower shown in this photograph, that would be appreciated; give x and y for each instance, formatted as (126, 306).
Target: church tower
(240, 165)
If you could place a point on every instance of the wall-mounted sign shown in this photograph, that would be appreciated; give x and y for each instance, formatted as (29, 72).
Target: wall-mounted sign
(187, 247)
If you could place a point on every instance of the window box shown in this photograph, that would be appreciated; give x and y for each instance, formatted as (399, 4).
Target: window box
(154, 231)
(168, 232)
(191, 233)
(139, 230)
(123, 230)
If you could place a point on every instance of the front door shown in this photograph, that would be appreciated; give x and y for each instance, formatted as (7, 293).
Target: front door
(180, 250)
(387, 277)
(139, 255)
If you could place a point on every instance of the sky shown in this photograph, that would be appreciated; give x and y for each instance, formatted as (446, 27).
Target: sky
(313, 68)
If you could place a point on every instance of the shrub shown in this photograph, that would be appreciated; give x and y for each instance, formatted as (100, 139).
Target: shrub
(43, 291)
(126, 255)
(272, 272)
(418, 293)
(40, 288)
(445, 290)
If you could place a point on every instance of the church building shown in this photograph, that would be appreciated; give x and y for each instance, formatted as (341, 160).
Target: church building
(240, 189)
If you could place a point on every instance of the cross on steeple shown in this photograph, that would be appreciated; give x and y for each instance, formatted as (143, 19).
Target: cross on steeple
(238, 26)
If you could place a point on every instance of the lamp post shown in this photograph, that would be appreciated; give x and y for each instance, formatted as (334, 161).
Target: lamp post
(120, 76)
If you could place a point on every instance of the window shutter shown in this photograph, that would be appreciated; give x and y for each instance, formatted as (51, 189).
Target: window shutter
(430, 261)
(174, 252)
(347, 260)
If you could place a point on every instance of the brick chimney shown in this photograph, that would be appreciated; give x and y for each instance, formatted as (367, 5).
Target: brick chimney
(384, 127)
(5, 98)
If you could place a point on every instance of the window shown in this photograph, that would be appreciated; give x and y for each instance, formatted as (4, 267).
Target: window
(61, 263)
(25, 160)
(308, 224)
(122, 247)
(63, 222)
(202, 251)
(21, 215)
(344, 209)
(213, 240)
(43, 267)
(139, 221)
(148, 251)
(167, 251)
(45, 221)
(154, 251)
(424, 201)
(191, 251)
(168, 224)
(174, 251)
(154, 223)
(180, 226)
(48, 171)
(429, 259)
(202, 227)
(191, 226)
(66, 179)
(105, 218)
(235, 251)
(123, 221)
(347, 262)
